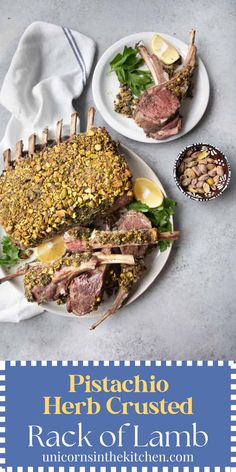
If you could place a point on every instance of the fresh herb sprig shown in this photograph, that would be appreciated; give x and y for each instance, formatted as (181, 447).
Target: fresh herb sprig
(160, 217)
(127, 65)
(9, 253)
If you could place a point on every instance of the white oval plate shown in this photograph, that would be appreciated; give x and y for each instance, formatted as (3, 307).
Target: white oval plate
(105, 88)
(154, 262)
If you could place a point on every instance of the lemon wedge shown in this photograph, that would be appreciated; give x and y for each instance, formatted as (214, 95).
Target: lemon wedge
(51, 250)
(164, 51)
(147, 191)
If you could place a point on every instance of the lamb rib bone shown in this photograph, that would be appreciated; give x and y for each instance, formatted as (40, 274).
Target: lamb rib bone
(32, 144)
(158, 74)
(58, 131)
(73, 124)
(44, 139)
(7, 159)
(21, 271)
(19, 150)
(191, 54)
(180, 82)
(90, 118)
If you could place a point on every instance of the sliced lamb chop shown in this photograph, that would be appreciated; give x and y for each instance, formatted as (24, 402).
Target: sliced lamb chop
(42, 294)
(170, 129)
(101, 258)
(85, 292)
(79, 239)
(159, 105)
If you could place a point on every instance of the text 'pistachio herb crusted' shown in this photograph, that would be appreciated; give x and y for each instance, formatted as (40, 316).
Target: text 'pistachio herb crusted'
(160, 217)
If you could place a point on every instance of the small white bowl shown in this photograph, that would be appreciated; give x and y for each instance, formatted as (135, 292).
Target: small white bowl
(221, 160)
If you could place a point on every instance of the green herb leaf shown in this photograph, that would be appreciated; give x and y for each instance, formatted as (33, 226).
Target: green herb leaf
(138, 81)
(9, 252)
(119, 59)
(163, 245)
(133, 63)
(121, 75)
(159, 216)
(139, 206)
(126, 65)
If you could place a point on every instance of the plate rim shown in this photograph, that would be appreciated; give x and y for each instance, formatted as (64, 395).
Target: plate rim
(97, 96)
(137, 293)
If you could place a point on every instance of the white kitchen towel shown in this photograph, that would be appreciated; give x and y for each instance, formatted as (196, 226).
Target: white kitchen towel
(49, 69)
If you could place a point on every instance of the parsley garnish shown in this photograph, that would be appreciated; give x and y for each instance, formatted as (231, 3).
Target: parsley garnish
(9, 253)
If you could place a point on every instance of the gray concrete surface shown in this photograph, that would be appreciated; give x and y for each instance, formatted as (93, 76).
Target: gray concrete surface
(190, 311)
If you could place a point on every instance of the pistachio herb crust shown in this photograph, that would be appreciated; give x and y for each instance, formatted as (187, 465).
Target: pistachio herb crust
(97, 238)
(71, 182)
(180, 84)
(130, 274)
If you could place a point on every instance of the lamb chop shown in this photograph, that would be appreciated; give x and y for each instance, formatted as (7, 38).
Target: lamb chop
(59, 184)
(85, 239)
(158, 110)
(86, 291)
(61, 280)
(129, 274)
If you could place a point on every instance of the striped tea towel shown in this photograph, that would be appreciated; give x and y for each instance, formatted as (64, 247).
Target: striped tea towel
(49, 69)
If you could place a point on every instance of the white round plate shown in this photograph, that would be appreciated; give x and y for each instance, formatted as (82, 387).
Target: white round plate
(105, 88)
(154, 262)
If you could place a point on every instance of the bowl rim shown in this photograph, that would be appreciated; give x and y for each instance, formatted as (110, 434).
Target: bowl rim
(192, 197)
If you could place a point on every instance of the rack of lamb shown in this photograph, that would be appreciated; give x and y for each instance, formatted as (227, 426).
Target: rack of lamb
(76, 187)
